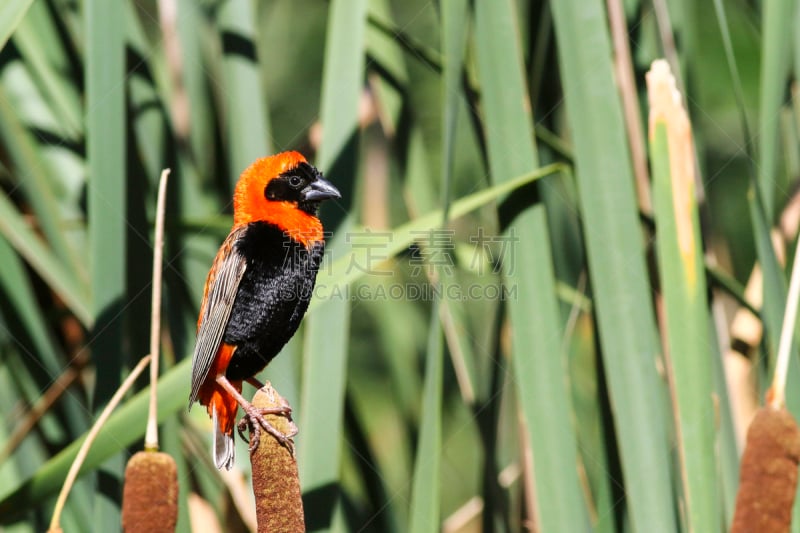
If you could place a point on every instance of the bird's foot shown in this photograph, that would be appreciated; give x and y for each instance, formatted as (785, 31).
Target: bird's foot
(255, 421)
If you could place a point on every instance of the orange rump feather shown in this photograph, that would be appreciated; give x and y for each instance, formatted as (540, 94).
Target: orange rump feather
(213, 396)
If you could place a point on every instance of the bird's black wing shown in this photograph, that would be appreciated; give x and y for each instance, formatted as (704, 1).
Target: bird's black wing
(221, 286)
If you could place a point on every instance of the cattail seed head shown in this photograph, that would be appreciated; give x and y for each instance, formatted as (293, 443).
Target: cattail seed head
(768, 477)
(150, 495)
(279, 505)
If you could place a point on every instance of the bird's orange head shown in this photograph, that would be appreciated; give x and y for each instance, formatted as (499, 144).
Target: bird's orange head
(283, 190)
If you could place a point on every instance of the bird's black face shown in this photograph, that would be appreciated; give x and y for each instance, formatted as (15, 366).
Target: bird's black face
(303, 185)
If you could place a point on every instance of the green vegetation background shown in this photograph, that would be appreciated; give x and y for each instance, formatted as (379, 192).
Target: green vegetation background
(438, 121)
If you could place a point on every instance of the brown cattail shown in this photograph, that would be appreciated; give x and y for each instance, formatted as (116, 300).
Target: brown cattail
(150, 496)
(279, 506)
(768, 477)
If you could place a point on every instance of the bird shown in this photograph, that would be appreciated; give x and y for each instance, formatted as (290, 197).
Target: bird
(257, 291)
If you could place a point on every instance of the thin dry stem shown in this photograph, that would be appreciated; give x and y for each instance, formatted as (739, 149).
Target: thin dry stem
(664, 23)
(32, 417)
(151, 435)
(528, 478)
(465, 518)
(458, 358)
(72, 475)
(623, 65)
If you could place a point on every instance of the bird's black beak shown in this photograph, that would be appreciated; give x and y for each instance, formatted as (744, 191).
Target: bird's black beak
(318, 190)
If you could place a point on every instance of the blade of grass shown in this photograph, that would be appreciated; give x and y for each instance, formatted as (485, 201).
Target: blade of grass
(384, 51)
(796, 34)
(105, 148)
(11, 13)
(35, 178)
(730, 59)
(726, 435)
(18, 291)
(248, 134)
(322, 389)
(680, 262)
(416, 49)
(539, 363)
(149, 120)
(593, 432)
(30, 246)
(400, 348)
(424, 92)
(425, 508)
(342, 82)
(42, 49)
(541, 380)
(616, 262)
(382, 512)
(193, 33)
(775, 54)
(106, 195)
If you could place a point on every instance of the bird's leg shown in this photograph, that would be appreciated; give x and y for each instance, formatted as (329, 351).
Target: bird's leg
(254, 416)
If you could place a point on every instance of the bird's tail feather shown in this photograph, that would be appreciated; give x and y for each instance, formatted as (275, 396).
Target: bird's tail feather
(222, 407)
(223, 445)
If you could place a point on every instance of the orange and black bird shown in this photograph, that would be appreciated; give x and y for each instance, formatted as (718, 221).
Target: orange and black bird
(258, 289)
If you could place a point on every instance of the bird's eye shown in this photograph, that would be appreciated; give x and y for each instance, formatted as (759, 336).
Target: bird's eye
(295, 181)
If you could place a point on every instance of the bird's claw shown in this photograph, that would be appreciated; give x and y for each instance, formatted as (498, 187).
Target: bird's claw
(255, 421)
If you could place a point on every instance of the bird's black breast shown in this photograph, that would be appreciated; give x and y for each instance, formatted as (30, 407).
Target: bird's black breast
(272, 297)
